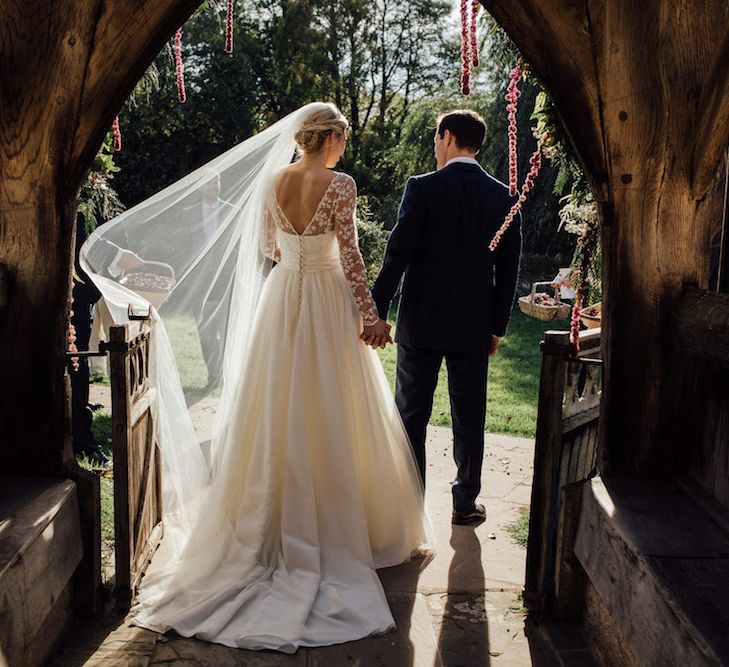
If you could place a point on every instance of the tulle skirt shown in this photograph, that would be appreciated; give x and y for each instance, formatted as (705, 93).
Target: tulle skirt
(314, 487)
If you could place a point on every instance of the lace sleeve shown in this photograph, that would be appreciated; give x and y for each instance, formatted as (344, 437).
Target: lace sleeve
(345, 221)
(269, 244)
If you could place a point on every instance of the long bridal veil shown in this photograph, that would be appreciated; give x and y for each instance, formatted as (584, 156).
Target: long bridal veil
(190, 254)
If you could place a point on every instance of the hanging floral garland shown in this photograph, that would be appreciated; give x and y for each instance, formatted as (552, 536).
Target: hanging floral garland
(512, 97)
(71, 337)
(584, 256)
(178, 67)
(535, 161)
(475, 6)
(469, 43)
(466, 60)
(117, 134)
(229, 28)
(181, 94)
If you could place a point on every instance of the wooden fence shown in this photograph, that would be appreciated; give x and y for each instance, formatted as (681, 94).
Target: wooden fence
(565, 456)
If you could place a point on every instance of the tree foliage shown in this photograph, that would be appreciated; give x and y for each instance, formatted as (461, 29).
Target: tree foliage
(392, 67)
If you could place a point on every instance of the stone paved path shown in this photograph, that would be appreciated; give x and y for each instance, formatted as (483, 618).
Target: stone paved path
(461, 610)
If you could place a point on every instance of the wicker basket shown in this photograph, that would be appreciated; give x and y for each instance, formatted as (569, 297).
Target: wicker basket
(149, 271)
(540, 312)
(592, 321)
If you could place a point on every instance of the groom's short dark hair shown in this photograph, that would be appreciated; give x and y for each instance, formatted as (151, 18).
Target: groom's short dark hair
(468, 128)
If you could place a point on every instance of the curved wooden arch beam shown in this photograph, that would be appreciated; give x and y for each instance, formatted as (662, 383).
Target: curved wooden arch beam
(65, 69)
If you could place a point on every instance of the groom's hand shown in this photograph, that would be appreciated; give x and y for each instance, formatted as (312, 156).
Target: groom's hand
(377, 335)
(495, 341)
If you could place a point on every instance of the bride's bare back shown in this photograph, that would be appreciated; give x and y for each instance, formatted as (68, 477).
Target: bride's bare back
(299, 193)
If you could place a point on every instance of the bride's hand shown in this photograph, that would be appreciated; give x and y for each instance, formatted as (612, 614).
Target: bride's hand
(377, 335)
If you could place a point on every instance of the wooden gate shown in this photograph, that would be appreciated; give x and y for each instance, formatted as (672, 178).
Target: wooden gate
(565, 456)
(137, 465)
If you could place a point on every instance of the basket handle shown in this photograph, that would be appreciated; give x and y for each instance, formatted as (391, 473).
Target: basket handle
(543, 282)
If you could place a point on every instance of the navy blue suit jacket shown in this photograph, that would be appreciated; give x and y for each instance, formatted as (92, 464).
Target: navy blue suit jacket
(456, 293)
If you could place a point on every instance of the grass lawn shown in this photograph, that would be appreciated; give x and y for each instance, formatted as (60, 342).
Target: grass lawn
(513, 386)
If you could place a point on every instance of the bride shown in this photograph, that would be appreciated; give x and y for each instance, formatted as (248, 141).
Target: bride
(311, 484)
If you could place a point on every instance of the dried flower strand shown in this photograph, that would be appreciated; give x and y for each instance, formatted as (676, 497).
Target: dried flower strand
(475, 6)
(178, 67)
(536, 162)
(229, 28)
(71, 337)
(117, 134)
(575, 323)
(512, 96)
(465, 50)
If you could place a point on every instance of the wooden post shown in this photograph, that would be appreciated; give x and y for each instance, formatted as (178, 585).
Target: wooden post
(552, 381)
(137, 463)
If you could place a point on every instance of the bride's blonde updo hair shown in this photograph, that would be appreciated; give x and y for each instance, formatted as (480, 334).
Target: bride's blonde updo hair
(317, 126)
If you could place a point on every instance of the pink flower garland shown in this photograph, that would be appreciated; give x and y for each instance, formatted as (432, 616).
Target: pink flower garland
(512, 96)
(474, 38)
(117, 134)
(229, 28)
(575, 322)
(536, 162)
(465, 50)
(585, 250)
(71, 338)
(178, 67)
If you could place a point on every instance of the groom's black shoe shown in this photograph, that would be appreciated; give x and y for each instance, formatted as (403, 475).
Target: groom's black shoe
(471, 517)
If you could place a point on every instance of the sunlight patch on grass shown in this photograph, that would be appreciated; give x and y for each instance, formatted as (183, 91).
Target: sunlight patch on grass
(185, 342)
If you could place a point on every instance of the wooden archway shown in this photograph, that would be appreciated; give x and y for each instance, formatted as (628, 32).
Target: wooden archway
(641, 88)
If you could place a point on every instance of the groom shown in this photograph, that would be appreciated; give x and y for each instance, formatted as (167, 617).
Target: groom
(456, 296)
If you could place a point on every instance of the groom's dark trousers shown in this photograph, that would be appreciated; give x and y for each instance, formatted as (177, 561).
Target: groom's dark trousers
(456, 293)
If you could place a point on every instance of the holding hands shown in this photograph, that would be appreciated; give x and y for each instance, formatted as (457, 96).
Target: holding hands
(377, 335)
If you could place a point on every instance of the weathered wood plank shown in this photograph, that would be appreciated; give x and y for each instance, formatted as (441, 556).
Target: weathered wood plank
(569, 575)
(137, 464)
(712, 124)
(631, 533)
(701, 324)
(547, 453)
(591, 413)
(88, 588)
(142, 404)
(39, 552)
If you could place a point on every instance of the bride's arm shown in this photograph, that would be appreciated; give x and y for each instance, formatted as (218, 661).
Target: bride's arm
(352, 263)
(268, 242)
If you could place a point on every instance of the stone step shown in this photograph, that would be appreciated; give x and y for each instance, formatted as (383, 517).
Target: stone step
(656, 553)
(40, 548)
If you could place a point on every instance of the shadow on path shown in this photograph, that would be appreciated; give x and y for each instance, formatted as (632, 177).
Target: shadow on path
(464, 637)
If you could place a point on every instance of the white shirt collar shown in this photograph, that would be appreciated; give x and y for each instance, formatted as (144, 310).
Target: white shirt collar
(466, 160)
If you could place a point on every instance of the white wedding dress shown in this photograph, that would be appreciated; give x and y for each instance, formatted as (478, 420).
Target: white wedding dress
(317, 486)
